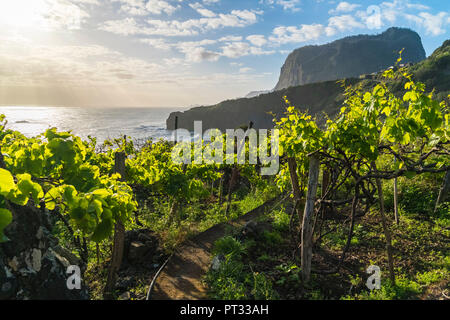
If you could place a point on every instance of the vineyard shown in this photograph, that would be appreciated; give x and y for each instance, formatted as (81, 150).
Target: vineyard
(369, 187)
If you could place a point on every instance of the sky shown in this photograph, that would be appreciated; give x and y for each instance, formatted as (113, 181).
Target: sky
(178, 53)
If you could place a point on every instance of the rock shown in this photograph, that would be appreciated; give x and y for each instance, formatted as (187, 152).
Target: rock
(137, 251)
(256, 93)
(350, 57)
(141, 247)
(217, 262)
(125, 283)
(125, 296)
(254, 229)
(32, 264)
(8, 283)
(323, 97)
(68, 255)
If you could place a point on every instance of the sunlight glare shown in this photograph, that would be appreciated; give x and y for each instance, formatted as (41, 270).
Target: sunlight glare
(23, 13)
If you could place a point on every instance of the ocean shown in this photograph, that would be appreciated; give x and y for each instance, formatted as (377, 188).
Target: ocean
(102, 123)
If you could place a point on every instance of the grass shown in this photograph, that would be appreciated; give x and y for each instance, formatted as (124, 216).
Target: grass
(421, 254)
(195, 217)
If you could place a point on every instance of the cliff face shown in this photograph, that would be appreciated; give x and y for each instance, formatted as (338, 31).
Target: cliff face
(317, 98)
(350, 57)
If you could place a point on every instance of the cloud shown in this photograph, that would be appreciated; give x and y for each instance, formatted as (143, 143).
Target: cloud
(202, 11)
(83, 65)
(157, 43)
(388, 13)
(230, 38)
(257, 40)
(288, 5)
(46, 15)
(125, 27)
(143, 7)
(344, 7)
(433, 24)
(417, 6)
(128, 26)
(239, 49)
(343, 23)
(245, 70)
(199, 54)
(293, 34)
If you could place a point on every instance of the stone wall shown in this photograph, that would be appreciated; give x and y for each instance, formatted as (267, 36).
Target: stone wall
(32, 263)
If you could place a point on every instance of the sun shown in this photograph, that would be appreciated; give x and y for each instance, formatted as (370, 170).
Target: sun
(23, 13)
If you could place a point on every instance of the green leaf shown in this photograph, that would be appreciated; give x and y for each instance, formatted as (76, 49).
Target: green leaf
(5, 220)
(6, 182)
(77, 213)
(103, 231)
(410, 174)
(27, 187)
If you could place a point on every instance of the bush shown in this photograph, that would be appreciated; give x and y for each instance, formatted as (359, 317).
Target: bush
(262, 288)
(229, 247)
(281, 220)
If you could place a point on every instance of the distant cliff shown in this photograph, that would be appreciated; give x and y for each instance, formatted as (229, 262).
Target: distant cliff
(350, 57)
(317, 97)
(256, 93)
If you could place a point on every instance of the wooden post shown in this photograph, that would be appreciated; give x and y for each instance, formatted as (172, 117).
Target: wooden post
(397, 219)
(119, 236)
(306, 250)
(444, 191)
(387, 233)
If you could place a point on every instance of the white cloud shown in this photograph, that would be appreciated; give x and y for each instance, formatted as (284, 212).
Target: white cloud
(125, 27)
(288, 5)
(158, 7)
(257, 40)
(245, 70)
(133, 7)
(230, 38)
(293, 34)
(128, 26)
(343, 23)
(157, 43)
(239, 49)
(433, 24)
(145, 7)
(389, 13)
(344, 7)
(202, 11)
(417, 6)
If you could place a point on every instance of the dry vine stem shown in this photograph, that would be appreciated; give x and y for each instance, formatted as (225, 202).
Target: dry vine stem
(387, 233)
(306, 252)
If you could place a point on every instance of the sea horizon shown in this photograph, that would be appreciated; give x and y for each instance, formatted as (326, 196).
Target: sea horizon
(103, 123)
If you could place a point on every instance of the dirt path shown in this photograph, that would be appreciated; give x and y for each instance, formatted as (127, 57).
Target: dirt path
(181, 279)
